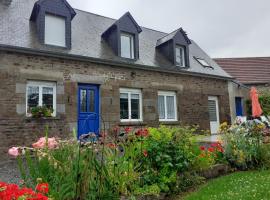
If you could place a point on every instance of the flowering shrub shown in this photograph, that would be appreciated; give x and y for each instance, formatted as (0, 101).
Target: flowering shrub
(14, 192)
(243, 144)
(170, 155)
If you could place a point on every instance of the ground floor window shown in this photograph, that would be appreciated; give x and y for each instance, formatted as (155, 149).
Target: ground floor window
(130, 105)
(40, 94)
(167, 108)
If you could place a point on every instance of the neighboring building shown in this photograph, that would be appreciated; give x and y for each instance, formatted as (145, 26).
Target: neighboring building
(87, 67)
(248, 71)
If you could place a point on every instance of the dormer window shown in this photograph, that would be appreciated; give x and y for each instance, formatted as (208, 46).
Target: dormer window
(123, 37)
(180, 56)
(53, 22)
(127, 45)
(55, 30)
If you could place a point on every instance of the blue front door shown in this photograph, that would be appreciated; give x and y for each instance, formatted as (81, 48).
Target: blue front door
(88, 109)
(238, 106)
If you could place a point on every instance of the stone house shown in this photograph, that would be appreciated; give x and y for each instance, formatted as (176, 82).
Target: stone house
(94, 72)
(248, 72)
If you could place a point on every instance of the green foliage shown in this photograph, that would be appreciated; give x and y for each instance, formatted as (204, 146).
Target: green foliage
(264, 99)
(171, 153)
(41, 111)
(243, 145)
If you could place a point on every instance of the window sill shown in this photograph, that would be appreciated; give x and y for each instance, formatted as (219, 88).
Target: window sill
(132, 123)
(169, 122)
(41, 118)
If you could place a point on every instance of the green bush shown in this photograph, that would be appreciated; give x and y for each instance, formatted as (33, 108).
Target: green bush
(243, 145)
(172, 153)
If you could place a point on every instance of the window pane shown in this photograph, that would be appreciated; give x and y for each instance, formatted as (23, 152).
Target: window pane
(32, 97)
(127, 46)
(135, 106)
(123, 106)
(161, 107)
(55, 30)
(170, 107)
(91, 101)
(179, 53)
(83, 101)
(47, 97)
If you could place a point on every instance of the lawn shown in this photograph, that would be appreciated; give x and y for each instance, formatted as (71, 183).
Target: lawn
(252, 185)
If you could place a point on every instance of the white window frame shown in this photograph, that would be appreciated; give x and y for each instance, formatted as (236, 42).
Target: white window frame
(183, 56)
(47, 39)
(131, 42)
(129, 92)
(165, 94)
(40, 85)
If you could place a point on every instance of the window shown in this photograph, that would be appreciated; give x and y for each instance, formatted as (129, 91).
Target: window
(55, 30)
(167, 108)
(40, 94)
(203, 62)
(180, 56)
(130, 105)
(127, 46)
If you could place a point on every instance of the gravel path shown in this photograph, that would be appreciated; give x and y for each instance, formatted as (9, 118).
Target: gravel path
(9, 172)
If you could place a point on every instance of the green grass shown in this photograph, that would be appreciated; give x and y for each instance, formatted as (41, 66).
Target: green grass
(252, 185)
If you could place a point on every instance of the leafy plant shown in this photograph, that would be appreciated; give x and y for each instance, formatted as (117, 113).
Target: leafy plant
(41, 111)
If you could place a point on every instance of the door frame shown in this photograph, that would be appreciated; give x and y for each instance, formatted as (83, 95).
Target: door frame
(215, 98)
(97, 99)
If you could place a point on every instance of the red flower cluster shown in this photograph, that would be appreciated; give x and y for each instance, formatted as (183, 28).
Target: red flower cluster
(128, 129)
(14, 192)
(215, 147)
(145, 153)
(142, 132)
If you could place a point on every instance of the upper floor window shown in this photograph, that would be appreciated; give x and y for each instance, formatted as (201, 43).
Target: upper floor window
(167, 108)
(41, 94)
(180, 56)
(130, 105)
(127, 46)
(55, 30)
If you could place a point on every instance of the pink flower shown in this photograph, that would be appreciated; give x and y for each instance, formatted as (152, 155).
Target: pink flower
(41, 143)
(14, 151)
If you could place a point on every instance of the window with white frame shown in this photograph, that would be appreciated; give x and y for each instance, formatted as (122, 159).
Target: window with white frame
(55, 30)
(180, 56)
(130, 105)
(41, 94)
(167, 108)
(127, 45)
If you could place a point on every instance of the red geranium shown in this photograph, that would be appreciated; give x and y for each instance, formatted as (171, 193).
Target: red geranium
(142, 132)
(202, 148)
(128, 129)
(145, 153)
(43, 188)
(211, 149)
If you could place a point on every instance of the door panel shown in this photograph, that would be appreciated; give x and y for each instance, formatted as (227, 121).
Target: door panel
(238, 106)
(88, 109)
(213, 114)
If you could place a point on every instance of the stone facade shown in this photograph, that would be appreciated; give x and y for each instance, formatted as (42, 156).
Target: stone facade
(16, 69)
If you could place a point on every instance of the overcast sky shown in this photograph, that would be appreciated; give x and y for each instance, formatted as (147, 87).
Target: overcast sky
(223, 28)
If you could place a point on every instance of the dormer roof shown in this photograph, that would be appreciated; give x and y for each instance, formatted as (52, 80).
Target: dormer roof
(177, 33)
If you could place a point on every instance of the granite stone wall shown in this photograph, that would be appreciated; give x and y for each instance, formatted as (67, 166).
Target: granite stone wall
(16, 69)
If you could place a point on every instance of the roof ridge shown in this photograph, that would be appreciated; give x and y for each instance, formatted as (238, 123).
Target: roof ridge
(99, 15)
(242, 57)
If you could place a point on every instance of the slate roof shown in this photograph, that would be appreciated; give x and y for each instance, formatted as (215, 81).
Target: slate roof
(18, 32)
(248, 70)
(171, 36)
